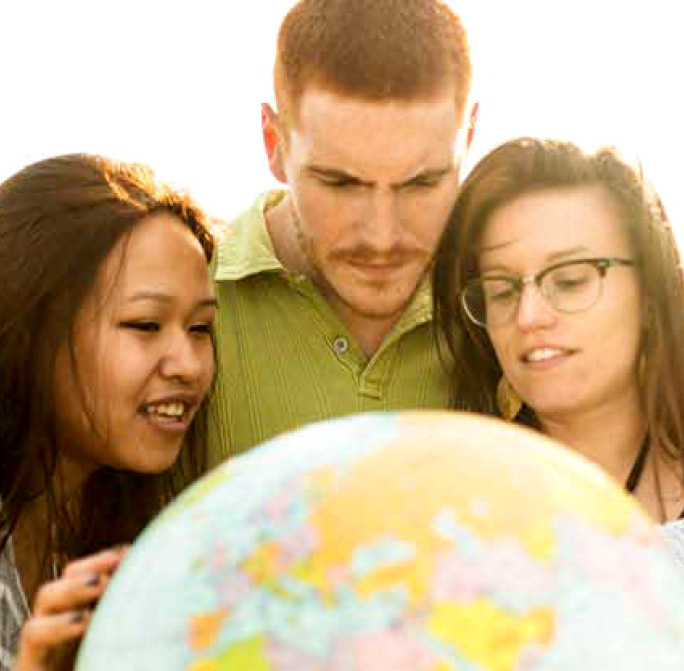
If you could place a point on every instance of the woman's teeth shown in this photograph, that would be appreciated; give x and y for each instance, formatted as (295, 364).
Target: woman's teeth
(542, 354)
(172, 410)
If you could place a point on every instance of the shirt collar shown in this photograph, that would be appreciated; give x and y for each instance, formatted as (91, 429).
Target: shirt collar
(244, 247)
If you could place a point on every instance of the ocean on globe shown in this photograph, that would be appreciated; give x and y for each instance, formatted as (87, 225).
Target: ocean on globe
(419, 541)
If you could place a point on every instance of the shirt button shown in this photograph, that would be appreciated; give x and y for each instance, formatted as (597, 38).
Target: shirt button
(341, 345)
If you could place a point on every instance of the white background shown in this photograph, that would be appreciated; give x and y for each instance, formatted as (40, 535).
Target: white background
(178, 84)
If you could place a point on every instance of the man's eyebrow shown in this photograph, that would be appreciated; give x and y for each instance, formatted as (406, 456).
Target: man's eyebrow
(334, 174)
(431, 174)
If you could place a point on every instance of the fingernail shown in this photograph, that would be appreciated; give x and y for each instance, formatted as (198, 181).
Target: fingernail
(93, 580)
(77, 616)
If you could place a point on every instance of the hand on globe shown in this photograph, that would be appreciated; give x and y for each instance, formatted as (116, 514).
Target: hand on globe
(62, 608)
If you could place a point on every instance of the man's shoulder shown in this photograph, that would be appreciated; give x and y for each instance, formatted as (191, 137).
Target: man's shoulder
(250, 215)
(243, 244)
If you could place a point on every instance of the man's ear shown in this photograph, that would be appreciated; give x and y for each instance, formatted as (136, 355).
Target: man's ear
(273, 142)
(472, 122)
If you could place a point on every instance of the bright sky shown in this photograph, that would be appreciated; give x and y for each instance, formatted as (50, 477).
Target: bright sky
(178, 85)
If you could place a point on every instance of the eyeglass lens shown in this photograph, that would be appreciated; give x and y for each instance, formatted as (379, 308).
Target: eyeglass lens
(573, 287)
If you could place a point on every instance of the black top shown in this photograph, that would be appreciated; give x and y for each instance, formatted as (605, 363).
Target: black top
(638, 468)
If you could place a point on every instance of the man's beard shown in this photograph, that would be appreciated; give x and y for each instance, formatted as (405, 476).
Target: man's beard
(315, 272)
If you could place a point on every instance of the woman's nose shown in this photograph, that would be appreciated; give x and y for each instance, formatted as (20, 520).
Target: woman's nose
(182, 359)
(534, 309)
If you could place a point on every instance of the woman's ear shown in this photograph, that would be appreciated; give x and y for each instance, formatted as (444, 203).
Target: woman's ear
(273, 142)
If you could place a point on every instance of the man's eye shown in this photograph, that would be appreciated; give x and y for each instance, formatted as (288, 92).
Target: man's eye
(425, 183)
(337, 183)
(144, 326)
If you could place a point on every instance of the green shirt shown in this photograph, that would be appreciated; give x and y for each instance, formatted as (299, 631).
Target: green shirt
(286, 359)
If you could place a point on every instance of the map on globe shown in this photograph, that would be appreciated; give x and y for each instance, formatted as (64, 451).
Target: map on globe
(396, 542)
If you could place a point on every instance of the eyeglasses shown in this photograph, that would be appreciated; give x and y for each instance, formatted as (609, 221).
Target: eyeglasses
(570, 286)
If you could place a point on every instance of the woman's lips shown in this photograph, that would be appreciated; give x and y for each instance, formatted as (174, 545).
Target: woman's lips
(171, 413)
(168, 424)
(545, 356)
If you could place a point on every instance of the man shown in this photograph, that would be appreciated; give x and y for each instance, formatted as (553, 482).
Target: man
(325, 306)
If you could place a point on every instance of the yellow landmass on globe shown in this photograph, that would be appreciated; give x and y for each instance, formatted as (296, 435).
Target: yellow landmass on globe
(247, 655)
(371, 505)
(490, 636)
(262, 565)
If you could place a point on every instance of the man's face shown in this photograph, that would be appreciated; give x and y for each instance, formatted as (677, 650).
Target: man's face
(372, 185)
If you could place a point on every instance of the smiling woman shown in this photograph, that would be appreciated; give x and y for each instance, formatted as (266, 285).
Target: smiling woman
(561, 270)
(144, 354)
(106, 358)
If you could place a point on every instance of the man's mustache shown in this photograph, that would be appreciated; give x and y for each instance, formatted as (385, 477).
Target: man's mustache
(363, 254)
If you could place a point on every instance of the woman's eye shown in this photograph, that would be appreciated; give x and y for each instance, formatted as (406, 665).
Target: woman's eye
(201, 329)
(144, 326)
(499, 291)
(502, 296)
(571, 280)
(571, 283)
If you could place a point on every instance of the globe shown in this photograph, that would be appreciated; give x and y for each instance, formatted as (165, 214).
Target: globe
(413, 541)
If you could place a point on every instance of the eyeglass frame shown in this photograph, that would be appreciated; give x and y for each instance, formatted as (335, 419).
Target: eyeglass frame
(600, 263)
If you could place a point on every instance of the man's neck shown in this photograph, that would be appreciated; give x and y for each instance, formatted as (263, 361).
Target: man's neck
(283, 236)
(368, 333)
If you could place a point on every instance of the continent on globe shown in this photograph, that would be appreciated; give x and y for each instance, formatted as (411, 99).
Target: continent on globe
(418, 541)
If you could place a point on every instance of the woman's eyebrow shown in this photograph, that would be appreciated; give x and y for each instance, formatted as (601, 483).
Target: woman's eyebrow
(150, 296)
(208, 303)
(161, 297)
(549, 259)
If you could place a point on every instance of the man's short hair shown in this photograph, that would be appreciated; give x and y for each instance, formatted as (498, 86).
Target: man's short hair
(371, 49)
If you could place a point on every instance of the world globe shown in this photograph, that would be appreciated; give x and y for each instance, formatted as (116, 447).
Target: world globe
(414, 541)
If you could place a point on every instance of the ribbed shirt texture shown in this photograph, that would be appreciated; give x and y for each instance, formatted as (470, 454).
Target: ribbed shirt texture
(286, 359)
(13, 607)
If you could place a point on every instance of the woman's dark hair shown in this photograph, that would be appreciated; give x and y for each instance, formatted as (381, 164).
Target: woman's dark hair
(59, 220)
(529, 165)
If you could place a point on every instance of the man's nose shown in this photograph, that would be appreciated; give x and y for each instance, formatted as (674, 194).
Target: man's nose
(534, 309)
(382, 230)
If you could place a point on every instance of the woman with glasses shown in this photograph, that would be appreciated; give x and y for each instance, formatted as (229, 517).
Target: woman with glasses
(560, 271)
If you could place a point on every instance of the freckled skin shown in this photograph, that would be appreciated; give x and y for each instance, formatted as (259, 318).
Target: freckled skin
(371, 187)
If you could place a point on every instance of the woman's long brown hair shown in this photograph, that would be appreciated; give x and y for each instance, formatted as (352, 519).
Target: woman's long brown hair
(530, 165)
(59, 220)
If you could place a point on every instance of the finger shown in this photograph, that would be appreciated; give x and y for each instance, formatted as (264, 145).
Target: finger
(101, 562)
(40, 635)
(70, 593)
